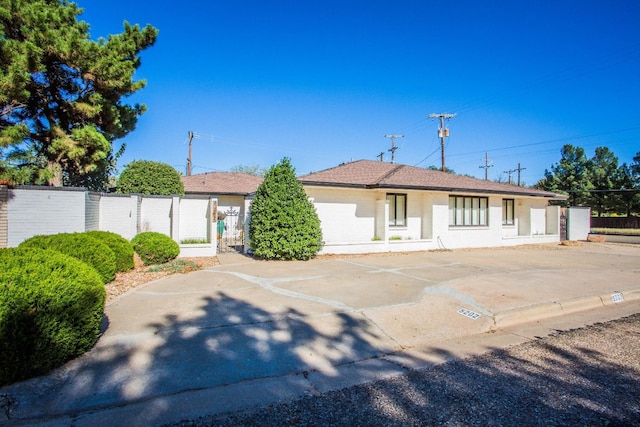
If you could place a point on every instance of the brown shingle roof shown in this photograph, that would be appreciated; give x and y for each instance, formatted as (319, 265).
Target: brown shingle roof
(230, 183)
(373, 174)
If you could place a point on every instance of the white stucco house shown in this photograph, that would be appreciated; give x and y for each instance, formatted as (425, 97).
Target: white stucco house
(370, 206)
(232, 191)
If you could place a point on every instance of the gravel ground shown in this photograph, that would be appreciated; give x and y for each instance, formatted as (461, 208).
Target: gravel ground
(587, 377)
(141, 274)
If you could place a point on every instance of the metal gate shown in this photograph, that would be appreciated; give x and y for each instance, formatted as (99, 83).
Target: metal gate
(230, 232)
(563, 224)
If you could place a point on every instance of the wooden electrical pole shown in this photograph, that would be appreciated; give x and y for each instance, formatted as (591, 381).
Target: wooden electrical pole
(189, 158)
(486, 166)
(381, 155)
(519, 169)
(442, 132)
(393, 147)
(510, 171)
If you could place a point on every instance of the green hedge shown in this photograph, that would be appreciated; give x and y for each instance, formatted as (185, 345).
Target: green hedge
(80, 246)
(120, 246)
(51, 308)
(155, 248)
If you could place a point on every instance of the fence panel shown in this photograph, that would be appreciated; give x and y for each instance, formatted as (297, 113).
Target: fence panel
(44, 211)
(26, 211)
(616, 222)
(195, 223)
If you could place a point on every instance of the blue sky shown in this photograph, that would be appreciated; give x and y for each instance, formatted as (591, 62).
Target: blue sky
(322, 82)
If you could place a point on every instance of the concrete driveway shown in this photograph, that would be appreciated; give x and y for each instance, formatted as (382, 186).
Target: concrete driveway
(253, 332)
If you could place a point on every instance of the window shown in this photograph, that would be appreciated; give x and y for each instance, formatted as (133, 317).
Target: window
(508, 212)
(397, 209)
(468, 211)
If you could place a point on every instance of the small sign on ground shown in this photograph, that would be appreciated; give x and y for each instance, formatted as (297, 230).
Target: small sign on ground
(617, 297)
(470, 314)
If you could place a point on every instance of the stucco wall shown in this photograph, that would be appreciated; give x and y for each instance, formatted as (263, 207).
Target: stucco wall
(345, 216)
(119, 214)
(194, 219)
(350, 218)
(156, 214)
(578, 223)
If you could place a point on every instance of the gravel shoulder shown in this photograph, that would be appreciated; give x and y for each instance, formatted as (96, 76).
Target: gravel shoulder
(586, 376)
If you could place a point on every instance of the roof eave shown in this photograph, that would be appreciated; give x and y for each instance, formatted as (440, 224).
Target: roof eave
(551, 196)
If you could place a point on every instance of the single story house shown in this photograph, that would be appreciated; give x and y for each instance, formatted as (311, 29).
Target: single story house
(371, 206)
(232, 191)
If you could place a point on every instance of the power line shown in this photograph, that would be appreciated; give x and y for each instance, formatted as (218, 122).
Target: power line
(549, 141)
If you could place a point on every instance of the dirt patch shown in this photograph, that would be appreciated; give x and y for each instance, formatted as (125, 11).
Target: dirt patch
(140, 275)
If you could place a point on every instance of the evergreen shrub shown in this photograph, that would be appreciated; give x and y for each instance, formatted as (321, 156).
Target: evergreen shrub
(149, 177)
(81, 246)
(155, 248)
(283, 224)
(121, 247)
(51, 308)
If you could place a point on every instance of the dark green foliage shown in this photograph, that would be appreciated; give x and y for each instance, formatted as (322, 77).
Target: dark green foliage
(570, 176)
(61, 103)
(51, 308)
(155, 248)
(147, 177)
(284, 224)
(80, 246)
(598, 182)
(121, 247)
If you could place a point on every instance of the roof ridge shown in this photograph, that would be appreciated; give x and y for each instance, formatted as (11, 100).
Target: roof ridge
(390, 173)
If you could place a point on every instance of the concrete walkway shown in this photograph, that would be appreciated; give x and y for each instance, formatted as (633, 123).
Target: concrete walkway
(249, 333)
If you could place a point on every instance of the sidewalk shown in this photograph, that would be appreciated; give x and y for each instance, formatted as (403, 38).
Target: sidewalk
(249, 333)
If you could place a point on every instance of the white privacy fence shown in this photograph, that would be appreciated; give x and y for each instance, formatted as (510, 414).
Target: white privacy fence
(26, 211)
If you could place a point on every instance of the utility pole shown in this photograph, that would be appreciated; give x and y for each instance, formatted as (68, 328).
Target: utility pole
(442, 131)
(393, 147)
(189, 158)
(486, 166)
(191, 136)
(519, 169)
(381, 155)
(510, 172)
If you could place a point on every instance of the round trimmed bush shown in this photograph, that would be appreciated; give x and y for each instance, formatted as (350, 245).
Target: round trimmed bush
(51, 308)
(149, 177)
(120, 246)
(80, 246)
(155, 248)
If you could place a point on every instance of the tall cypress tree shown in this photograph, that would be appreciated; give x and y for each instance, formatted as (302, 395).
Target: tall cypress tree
(283, 224)
(61, 93)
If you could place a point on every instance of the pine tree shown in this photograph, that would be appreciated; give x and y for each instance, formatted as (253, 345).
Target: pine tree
(569, 176)
(61, 93)
(283, 224)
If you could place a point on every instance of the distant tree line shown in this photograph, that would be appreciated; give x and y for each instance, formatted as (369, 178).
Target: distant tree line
(599, 182)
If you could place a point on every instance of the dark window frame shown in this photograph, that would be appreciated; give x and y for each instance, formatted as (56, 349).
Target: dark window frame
(393, 216)
(508, 212)
(468, 211)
